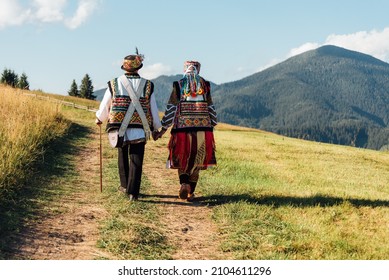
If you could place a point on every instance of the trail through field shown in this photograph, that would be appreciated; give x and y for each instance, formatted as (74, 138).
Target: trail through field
(188, 225)
(70, 229)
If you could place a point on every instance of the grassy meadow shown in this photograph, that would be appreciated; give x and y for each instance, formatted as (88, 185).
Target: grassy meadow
(62, 98)
(133, 230)
(272, 197)
(281, 198)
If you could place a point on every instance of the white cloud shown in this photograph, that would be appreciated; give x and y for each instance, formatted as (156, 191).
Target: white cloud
(49, 10)
(11, 13)
(374, 43)
(303, 48)
(84, 10)
(45, 11)
(155, 70)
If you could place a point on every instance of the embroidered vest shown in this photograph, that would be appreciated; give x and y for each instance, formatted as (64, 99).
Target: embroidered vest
(192, 110)
(120, 103)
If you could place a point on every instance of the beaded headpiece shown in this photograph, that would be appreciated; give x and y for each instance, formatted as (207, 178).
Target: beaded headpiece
(191, 65)
(133, 62)
(191, 83)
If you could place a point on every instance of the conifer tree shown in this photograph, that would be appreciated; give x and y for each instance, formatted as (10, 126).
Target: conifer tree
(9, 78)
(23, 82)
(74, 89)
(86, 88)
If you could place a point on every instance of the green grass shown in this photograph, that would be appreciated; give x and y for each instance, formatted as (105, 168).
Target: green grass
(132, 230)
(272, 197)
(282, 198)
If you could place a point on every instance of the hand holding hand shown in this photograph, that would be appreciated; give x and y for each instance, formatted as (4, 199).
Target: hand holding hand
(155, 135)
(158, 134)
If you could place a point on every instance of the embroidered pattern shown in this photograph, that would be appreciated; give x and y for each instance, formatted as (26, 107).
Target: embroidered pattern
(120, 104)
(193, 114)
(148, 89)
(192, 85)
(197, 113)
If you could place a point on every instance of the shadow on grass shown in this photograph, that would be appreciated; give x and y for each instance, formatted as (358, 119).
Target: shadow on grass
(23, 204)
(279, 201)
(275, 201)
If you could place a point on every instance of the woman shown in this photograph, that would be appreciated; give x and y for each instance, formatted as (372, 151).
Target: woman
(191, 113)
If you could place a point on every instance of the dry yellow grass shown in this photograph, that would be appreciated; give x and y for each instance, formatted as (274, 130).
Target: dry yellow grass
(26, 125)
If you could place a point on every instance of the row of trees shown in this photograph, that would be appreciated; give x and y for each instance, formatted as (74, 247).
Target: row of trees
(9, 77)
(86, 88)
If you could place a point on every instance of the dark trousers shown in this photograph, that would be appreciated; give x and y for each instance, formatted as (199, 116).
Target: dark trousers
(130, 162)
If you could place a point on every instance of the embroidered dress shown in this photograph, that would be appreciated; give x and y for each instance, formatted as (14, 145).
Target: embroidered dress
(191, 150)
(191, 112)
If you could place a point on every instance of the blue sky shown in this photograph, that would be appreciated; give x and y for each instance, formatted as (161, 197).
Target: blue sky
(56, 41)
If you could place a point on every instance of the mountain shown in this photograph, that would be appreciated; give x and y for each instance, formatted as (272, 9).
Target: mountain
(162, 89)
(329, 95)
(99, 94)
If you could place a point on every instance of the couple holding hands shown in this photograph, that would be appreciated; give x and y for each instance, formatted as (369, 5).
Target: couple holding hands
(189, 112)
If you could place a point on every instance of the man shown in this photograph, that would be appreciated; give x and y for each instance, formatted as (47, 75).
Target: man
(191, 112)
(113, 108)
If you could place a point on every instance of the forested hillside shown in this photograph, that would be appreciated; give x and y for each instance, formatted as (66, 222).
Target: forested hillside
(162, 89)
(329, 94)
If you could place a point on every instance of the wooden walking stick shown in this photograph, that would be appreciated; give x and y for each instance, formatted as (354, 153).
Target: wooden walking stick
(101, 164)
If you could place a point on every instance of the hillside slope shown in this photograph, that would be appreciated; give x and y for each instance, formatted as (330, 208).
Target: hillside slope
(329, 94)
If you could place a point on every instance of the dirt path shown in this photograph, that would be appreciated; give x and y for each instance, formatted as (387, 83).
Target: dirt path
(189, 226)
(71, 232)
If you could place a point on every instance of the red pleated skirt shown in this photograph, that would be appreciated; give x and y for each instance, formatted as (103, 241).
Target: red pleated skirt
(192, 150)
